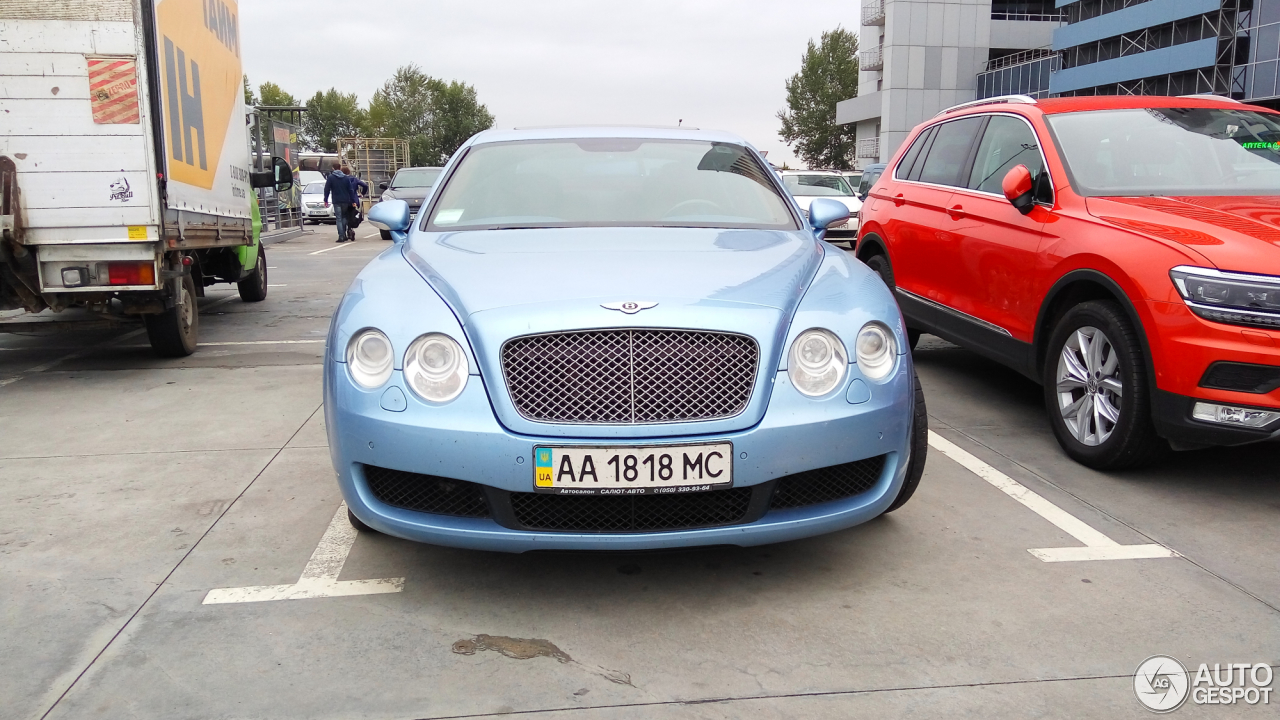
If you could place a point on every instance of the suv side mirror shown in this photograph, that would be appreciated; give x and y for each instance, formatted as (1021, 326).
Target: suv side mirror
(1018, 186)
(382, 186)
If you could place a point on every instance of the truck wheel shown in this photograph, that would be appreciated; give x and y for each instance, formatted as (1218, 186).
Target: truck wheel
(1097, 391)
(919, 449)
(384, 234)
(175, 332)
(254, 287)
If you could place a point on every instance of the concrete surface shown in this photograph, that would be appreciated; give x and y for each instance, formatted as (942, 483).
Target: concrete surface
(113, 529)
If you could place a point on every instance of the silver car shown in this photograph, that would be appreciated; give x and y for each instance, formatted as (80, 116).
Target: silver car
(314, 209)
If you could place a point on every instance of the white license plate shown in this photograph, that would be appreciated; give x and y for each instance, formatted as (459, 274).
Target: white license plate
(652, 470)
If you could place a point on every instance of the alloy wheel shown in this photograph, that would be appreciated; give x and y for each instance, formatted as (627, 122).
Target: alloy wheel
(1090, 390)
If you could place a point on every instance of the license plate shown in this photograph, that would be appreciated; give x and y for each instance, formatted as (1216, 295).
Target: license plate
(651, 470)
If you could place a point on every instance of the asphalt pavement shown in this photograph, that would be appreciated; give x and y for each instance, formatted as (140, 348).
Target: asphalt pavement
(1014, 584)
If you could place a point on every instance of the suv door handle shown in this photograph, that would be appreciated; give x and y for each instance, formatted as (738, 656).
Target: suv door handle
(899, 200)
(956, 212)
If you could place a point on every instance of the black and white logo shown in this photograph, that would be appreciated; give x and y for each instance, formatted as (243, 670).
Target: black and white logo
(1161, 683)
(629, 307)
(120, 190)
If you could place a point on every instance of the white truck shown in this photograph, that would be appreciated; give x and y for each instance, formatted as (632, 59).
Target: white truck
(126, 183)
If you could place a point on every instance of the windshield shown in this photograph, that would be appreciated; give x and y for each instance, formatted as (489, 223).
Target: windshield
(416, 178)
(820, 185)
(610, 183)
(1170, 151)
(315, 188)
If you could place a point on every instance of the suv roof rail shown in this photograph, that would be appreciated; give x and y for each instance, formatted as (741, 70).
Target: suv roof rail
(1015, 99)
(1211, 96)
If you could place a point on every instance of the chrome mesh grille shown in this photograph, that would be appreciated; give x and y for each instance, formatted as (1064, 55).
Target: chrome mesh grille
(630, 377)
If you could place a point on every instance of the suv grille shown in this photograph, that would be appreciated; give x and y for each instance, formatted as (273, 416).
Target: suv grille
(635, 513)
(630, 377)
(826, 484)
(426, 493)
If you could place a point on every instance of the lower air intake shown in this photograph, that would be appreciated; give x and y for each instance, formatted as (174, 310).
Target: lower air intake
(426, 493)
(826, 484)
(631, 513)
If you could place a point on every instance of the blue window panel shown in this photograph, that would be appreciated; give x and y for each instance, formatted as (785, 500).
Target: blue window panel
(1179, 58)
(1136, 17)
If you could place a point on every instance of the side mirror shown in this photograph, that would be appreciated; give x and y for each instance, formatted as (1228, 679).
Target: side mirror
(280, 176)
(382, 186)
(391, 215)
(825, 212)
(1017, 186)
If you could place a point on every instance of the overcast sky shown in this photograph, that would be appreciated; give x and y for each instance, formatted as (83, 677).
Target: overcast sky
(716, 64)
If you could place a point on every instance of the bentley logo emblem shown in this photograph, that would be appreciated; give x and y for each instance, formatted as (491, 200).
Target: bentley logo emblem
(629, 307)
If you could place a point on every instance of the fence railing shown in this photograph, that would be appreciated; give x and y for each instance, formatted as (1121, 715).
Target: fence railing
(871, 59)
(873, 12)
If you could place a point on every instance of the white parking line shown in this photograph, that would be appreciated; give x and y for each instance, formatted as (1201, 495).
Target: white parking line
(336, 246)
(1097, 546)
(320, 577)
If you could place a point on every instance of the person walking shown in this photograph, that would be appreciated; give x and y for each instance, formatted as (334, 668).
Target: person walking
(339, 186)
(358, 188)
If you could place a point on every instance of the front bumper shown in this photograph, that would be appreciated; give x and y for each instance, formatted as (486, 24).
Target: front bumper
(463, 441)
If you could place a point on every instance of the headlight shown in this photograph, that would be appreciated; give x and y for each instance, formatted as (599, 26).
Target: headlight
(876, 351)
(818, 362)
(1232, 298)
(436, 368)
(369, 358)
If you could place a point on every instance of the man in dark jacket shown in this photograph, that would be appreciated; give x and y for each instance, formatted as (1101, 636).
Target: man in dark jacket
(344, 202)
(358, 188)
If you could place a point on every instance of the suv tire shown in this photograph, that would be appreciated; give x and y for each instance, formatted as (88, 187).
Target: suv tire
(1097, 391)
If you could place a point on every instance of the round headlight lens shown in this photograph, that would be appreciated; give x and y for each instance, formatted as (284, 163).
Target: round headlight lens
(435, 368)
(369, 358)
(818, 362)
(876, 351)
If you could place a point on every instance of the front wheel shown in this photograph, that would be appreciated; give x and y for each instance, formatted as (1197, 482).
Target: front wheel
(384, 234)
(1096, 389)
(175, 332)
(357, 523)
(917, 452)
(254, 287)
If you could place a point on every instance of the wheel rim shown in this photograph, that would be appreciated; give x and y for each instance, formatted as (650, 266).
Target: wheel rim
(1090, 390)
(187, 309)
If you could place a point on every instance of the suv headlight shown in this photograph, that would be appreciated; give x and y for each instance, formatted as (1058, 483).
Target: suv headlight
(818, 362)
(435, 367)
(369, 358)
(876, 351)
(1232, 298)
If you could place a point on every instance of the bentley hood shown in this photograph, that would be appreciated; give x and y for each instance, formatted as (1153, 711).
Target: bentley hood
(1240, 234)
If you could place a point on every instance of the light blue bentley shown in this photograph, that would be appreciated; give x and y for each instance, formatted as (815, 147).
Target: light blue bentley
(617, 339)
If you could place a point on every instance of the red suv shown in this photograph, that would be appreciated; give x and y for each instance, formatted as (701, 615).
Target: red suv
(1124, 252)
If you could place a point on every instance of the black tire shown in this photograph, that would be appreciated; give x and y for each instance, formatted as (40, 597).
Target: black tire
(913, 338)
(919, 449)
(176, 331)
(357, 523)
(881, 265)
(253, 288)
(385, 234)
(1131, 440)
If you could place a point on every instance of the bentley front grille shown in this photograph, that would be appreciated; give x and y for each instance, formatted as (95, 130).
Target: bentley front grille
(630, 376)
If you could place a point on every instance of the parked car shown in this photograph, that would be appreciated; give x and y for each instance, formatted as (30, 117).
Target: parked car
(304, 178)
(854, 178)
(1122, 251)
(870, 174)
(806, 185)
(314, 208)
(617, 339)
(411, 185)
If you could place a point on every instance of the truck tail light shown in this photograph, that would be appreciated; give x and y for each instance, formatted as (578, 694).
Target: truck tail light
(132, 273)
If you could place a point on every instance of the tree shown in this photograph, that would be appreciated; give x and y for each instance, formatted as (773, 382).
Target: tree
(828, 74)
(331, 115)
(250, 100)
(434, 116)
(272, 94)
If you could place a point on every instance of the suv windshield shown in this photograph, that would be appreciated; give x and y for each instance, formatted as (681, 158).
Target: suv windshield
(811, 185)
(627, 182)
(416, 178)
(1170, 151)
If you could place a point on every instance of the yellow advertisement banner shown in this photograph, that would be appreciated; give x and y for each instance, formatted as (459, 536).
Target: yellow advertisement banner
(198, 42)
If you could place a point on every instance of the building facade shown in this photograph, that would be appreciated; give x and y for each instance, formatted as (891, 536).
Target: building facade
(919, 57)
